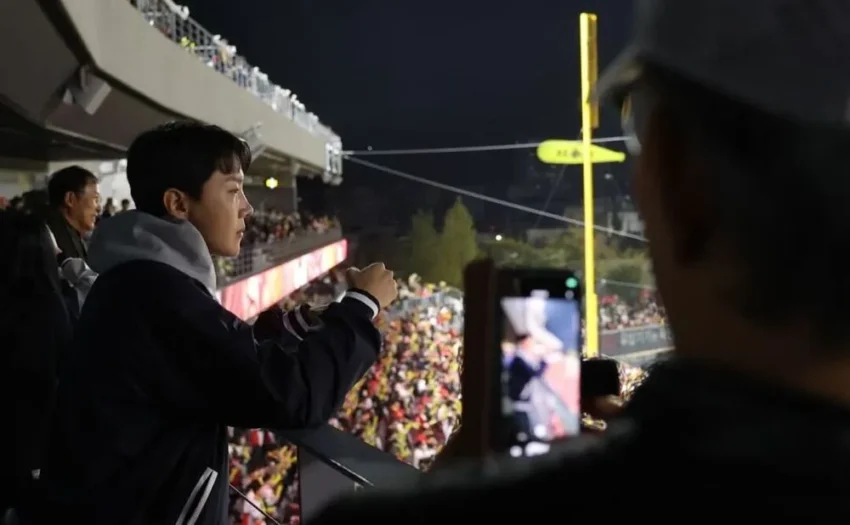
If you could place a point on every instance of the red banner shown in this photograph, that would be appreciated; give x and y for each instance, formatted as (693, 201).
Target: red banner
(250, 296)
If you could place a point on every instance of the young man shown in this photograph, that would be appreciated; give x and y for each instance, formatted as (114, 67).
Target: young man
(74, 208)
(160, 369)
(739, 125)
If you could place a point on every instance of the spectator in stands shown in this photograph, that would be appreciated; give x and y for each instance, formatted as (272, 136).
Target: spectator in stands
(35, 329)
(751, 417)
(125, 205)
(140, 427)
(108, 209)
(74, 208)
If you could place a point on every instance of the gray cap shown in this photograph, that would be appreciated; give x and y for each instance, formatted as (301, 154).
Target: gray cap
(789, 58)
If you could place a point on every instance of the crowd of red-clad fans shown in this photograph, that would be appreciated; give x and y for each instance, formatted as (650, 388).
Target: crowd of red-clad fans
(616, 313)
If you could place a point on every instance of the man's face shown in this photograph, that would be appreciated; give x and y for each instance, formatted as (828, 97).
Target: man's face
(83, 208)
(220, 213)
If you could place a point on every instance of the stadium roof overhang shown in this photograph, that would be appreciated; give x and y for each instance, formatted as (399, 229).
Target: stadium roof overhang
(23, 139)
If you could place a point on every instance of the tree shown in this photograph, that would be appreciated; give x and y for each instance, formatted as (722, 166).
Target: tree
(424, 246)
(458, 243)
(511, 252)
(573, 243)
(626, 279)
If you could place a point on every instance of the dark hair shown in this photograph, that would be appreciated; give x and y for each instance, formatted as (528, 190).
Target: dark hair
(71, 179)
(35, 202)
(183, 156)
(779, 192)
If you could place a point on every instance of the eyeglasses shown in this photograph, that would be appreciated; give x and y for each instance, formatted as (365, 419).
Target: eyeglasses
(635, 103)
(627, 122)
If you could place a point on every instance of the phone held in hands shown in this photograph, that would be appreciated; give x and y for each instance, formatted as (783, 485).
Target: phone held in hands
(535, 382)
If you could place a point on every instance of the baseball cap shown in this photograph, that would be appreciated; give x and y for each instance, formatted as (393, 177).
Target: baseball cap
(789, 58)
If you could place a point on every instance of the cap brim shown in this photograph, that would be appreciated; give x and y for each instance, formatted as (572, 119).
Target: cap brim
(617, 78)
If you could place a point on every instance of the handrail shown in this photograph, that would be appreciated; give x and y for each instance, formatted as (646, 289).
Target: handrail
(174, 22)
(334, 463)
(257, 258)
(352, 457)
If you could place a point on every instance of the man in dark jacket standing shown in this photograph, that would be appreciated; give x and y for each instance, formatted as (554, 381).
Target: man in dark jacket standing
(161, 369)
(738, 119)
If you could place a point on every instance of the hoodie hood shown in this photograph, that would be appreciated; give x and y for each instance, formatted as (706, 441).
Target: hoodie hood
(138, 236)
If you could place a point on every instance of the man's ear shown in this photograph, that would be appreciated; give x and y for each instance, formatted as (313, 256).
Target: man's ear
(176, 203)
(70, 199)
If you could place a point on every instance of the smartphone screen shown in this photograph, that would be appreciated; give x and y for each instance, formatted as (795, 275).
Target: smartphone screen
(540, 374)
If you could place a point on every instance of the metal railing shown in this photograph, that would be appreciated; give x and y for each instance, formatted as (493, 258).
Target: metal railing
(260, 257)
(174, 22)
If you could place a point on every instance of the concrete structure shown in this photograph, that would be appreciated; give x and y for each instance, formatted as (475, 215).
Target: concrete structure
(83, 77)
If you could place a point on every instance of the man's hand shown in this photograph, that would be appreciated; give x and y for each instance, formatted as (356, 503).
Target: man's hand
(376, 280)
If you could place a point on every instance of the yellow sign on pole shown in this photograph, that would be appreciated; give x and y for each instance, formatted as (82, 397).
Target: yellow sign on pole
(571, 152)
(587, 46)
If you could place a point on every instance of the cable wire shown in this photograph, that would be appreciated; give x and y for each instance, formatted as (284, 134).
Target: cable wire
(465, 149)
(552, 190)
(487, 198)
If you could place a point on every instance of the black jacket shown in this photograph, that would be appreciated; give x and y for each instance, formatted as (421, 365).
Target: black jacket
(160, 370)
(695, 445)
(69, 240)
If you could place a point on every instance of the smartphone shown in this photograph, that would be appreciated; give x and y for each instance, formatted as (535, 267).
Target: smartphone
(539, 338)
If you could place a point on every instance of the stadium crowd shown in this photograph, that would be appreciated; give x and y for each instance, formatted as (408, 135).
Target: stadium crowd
(616, 313)
(407, 404)
(271, 226)
(266, 228)
(174, 22)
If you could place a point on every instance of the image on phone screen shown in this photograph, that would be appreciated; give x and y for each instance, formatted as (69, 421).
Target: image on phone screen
(541, 363)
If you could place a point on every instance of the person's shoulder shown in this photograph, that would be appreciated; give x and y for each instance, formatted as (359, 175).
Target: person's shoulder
(145, 287)
(147, 277)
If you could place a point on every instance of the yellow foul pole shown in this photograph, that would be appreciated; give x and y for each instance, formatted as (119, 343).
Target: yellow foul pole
(589, 120)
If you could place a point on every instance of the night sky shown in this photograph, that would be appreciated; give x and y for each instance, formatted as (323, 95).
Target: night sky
(393, 74)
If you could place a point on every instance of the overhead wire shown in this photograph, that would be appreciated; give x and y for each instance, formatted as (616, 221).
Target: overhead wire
(465, 149)
(551, 195)
(487, 198)
(553, 189)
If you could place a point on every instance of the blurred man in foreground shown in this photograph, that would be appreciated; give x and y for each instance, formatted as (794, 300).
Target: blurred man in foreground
(738, 114)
